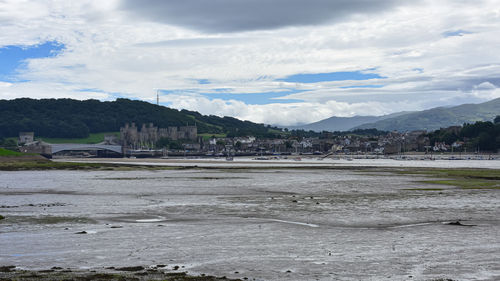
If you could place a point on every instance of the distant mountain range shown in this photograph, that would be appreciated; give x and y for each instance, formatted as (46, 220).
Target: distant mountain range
(340, 124)
(431, 119)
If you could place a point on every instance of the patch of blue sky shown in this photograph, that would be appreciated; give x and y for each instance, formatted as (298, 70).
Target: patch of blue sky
(362, 86)
(203, 81)
(13, 57)
(175, 92)
(459, 32)
(223, 90)
(90, 90)
(248, 98)
(256, 98)
(331, 76)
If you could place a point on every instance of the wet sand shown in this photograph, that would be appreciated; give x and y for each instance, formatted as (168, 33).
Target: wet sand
(263, 224)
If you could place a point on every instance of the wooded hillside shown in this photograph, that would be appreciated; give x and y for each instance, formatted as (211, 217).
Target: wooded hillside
(67, 118)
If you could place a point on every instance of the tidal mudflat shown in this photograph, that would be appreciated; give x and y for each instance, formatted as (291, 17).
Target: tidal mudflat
(264, 224)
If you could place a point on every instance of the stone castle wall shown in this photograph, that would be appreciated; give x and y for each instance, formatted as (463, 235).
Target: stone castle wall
(148, 135)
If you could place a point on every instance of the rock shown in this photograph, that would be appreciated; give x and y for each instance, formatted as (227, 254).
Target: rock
(130, 268)
(81, 232)
(152, 270)
(459, 223)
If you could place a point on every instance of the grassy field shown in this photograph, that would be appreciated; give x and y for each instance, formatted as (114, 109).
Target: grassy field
(91, 139)
(9, 153)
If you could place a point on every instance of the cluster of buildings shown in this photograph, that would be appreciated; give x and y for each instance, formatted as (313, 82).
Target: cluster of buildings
(135, 140)
(391, 143)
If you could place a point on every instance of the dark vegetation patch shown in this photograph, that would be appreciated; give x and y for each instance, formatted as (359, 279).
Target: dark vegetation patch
(7, 268)
(461, 178)
(177, 177)
(10, 273)
(48, 220)
(424, 189)
(40, 163)
(130, 268)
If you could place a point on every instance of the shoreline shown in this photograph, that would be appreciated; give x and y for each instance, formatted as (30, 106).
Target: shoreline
(41, 163)
(309, 162)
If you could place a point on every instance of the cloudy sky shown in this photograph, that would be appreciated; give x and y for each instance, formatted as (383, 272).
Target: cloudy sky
(270, 61)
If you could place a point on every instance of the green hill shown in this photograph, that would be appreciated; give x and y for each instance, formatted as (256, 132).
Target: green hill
(438, 117)
(67, 118)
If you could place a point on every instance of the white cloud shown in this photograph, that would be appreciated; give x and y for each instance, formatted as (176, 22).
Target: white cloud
(282, 114)
(113, 54)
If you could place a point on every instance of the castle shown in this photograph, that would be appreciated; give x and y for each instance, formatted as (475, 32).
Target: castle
(149, 135)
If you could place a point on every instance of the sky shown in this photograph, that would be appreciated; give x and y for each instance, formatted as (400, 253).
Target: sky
(280, 62)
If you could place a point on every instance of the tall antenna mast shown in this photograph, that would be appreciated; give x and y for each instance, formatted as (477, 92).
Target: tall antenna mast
(157, 98)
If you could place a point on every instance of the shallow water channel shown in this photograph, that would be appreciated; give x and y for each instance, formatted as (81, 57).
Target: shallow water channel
(264, 224)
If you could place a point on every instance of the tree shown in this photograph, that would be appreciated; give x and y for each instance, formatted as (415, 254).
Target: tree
(497, 120)
(486, 142)
(238, 145)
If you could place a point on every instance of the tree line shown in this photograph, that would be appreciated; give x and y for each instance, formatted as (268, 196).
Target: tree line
(482, 135)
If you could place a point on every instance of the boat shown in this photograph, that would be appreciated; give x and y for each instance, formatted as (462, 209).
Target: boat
(261, 158)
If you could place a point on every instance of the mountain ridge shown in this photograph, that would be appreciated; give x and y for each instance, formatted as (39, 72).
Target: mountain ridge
(430, 119)
(438, 117)
(335, 123)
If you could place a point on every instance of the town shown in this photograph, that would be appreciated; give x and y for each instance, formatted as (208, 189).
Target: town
(151, 141)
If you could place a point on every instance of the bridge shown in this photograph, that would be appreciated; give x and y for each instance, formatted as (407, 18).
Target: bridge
(82, 147)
